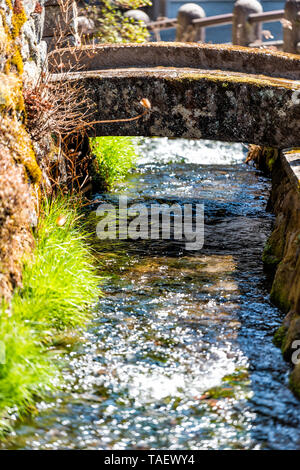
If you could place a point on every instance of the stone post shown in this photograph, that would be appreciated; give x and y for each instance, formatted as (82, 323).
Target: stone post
(244, 33)
(291, 27)
(60, 23)
(186, 31)
(137, 15)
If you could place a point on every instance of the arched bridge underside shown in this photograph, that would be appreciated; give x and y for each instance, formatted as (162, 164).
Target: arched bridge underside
(197, 91)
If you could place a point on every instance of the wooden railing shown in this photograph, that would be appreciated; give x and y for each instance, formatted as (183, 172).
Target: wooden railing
(246, 28)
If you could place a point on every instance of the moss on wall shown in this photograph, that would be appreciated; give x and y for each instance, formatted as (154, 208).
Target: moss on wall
(263, 157)
(18, 18)
(11, 98)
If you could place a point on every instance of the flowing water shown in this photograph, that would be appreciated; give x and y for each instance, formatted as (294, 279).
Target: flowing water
(180, 353)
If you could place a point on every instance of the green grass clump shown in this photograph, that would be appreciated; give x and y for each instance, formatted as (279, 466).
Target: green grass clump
(113, 159)
(26, 372)
(59, 285)
(60, 282)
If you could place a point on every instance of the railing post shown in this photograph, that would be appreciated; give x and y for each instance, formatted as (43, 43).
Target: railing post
(186, 31)
(244, 33)
(291, 27)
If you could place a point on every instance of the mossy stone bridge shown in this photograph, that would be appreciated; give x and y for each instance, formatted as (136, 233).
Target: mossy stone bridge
(197, 91)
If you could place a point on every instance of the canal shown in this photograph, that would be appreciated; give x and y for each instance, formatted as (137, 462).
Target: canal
(179, 354)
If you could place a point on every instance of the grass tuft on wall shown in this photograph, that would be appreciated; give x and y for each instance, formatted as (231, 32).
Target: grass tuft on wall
(60, 282)
(59, 286)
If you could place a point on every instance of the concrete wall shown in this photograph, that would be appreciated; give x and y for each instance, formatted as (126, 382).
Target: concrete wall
(60, 25)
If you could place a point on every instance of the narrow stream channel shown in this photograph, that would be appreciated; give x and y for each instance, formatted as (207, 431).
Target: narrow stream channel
(180, 353)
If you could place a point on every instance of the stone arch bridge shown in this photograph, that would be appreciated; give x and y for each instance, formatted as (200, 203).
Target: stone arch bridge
(197, 91)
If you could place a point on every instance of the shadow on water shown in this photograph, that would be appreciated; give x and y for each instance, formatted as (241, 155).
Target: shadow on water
(180, 353)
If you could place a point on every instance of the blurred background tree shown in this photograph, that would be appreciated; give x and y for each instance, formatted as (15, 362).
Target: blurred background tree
(110, 24)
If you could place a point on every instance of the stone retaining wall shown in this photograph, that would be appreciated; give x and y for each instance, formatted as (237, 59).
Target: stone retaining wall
(22, 56)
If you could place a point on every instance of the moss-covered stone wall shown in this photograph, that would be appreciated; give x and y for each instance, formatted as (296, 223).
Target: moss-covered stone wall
(22, 57)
